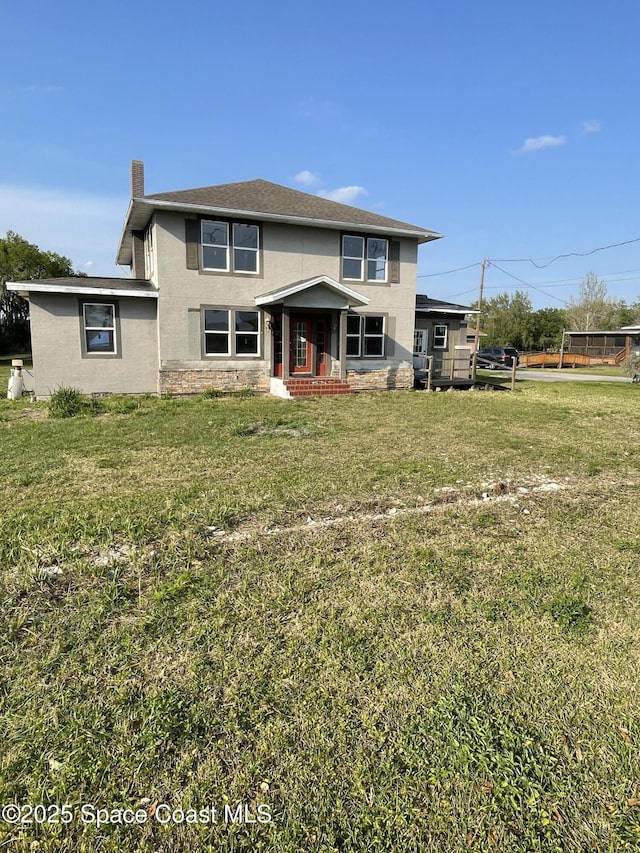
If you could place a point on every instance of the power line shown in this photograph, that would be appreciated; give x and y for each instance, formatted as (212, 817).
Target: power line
(446, 272)
(567, 254)
(463, 292)
(527, 284)
(539, 266)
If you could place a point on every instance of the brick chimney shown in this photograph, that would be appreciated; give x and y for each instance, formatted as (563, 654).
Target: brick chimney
(137, 179)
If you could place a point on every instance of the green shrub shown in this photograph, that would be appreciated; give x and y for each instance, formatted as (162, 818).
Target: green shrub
(67, 402)
(211, 394)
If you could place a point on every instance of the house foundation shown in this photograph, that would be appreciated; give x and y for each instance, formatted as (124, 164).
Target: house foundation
(197, 381)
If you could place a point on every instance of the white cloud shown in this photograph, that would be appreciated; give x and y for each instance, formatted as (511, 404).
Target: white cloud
(591, 126)
(537, 143)
(307, 178)
(42, 89)
(77, 225)
(345, 195)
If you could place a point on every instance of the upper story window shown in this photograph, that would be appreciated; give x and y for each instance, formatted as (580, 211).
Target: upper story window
(149, 261)
(230, 247)
(364, 258)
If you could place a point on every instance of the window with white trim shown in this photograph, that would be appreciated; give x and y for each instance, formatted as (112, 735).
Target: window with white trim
(231, 332)
(420, 342)
(99, 323)
(365, 336)
(230, 247)
(440, 337)
(358, 251)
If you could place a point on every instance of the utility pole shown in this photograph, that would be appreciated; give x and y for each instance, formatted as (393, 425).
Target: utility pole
(478, 319)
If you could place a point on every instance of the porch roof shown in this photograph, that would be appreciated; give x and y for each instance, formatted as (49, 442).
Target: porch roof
(350, 297)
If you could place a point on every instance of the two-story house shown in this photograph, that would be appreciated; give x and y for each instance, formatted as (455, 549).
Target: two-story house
(243, 285)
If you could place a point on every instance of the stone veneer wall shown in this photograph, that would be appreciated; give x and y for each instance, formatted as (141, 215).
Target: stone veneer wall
(197, 381)
(381, 380)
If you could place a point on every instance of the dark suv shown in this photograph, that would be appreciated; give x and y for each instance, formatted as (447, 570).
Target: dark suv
(494, 357)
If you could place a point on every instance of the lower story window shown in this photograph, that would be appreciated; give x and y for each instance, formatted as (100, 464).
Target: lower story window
(99, 319)
(440, 337)
(365, 336)
(231, 331)
(353, 335)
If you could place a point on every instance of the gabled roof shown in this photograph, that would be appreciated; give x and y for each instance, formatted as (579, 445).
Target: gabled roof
(86, 285)
(274, 297)
(264, 200)
(426, 305)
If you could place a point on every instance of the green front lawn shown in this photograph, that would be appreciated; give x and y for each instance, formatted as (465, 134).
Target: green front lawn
(394, 621)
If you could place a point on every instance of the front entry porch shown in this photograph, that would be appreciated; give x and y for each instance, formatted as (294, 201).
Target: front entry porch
(308, 325)
(313, 363)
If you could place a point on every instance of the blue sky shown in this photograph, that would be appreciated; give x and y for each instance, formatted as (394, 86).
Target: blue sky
(511, 128)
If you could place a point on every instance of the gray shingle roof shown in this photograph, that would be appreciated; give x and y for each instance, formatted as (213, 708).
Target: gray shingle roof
(95, 281)
(264, 197)
(425, 303)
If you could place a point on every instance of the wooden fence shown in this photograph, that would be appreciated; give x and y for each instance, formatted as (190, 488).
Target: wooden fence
(569, 359)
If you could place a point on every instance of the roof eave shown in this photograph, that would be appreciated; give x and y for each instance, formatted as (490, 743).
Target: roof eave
(447, 311)
(38, 287)
(137, 207)
(620, 331)
(125, 252)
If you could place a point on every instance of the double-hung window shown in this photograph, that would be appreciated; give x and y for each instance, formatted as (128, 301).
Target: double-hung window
(99, 328)
(364, 258)
(365, 336)
(440, 337)
(230, 246)
(231, 332)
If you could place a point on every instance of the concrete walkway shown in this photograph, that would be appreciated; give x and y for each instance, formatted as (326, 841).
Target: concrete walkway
(568, 375)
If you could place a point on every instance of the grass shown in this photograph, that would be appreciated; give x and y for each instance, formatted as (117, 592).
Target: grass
(446, 660)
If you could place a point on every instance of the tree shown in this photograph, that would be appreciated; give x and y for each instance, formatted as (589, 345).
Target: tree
(547, 325)
(628, 315)
(22, 261)
(506, 320)
(593, 309)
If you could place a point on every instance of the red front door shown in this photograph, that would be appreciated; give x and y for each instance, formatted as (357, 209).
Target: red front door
(308, 345)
